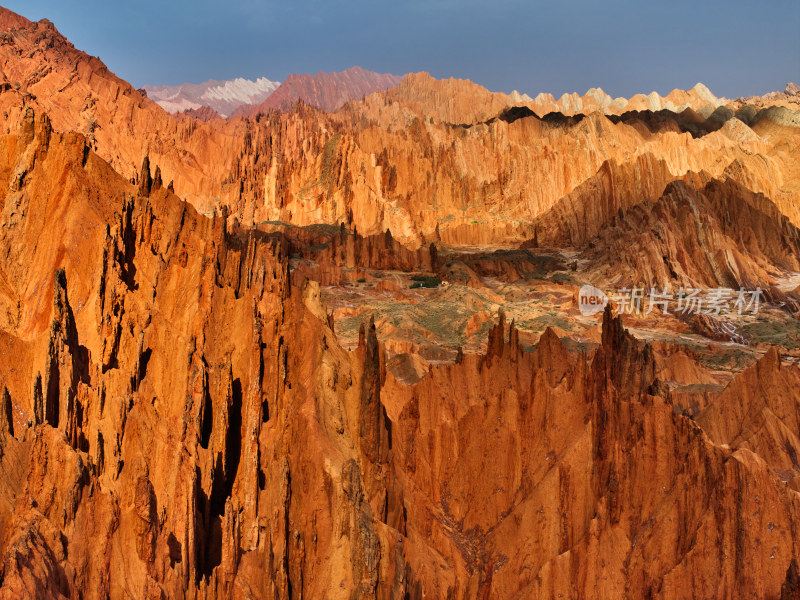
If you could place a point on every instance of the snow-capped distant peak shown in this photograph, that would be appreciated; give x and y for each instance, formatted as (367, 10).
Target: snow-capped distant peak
(241, 90)
(223, 96)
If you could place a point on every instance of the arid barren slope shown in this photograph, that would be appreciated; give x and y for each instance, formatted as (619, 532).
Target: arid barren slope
(342, 355)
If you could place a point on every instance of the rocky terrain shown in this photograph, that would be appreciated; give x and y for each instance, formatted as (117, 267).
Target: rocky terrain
(343, 354)
(426, 155)
(788, 98)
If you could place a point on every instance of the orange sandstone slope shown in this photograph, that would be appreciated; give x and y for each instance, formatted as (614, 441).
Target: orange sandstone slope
(387, 163)
(42, 69)
(720, 234)
(424, 156)
(179, 420)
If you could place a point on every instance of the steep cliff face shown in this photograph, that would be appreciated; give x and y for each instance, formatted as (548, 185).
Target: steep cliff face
(42, 69)
(151, 447)
(178, 419)
(760, 415)
(473, 184)
(584, 212)
(414, 174)
(544, 443)
(720, 235)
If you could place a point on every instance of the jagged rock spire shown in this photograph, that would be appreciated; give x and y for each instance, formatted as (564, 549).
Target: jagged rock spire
(6, 414)
(145, 181)
(157, 183)
(373, 421)
(66, 365)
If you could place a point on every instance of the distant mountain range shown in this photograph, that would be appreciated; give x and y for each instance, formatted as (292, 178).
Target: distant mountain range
(222, 96)
(328, 91)
(244, 97)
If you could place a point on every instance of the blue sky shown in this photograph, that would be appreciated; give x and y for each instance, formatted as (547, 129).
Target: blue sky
(624, 46)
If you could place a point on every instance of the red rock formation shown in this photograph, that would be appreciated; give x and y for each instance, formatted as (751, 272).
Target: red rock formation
(721, 235)
(455, 101)
(585, 211)
(461, 101)
(760, 414)
(577, 469)
(184, 423)
(343, 256)
(393, 161)
(178, 418)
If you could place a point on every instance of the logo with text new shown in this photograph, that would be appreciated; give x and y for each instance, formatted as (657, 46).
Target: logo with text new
(591, 300)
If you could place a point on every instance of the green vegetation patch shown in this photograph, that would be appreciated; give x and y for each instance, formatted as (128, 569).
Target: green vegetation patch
(785, 333)
(727, 359)
(561, 277)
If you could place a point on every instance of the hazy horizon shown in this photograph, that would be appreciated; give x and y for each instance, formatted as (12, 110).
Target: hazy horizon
(530, 47)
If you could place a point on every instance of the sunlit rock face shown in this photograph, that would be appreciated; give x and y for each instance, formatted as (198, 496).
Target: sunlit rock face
(342, 355)
(423, 155)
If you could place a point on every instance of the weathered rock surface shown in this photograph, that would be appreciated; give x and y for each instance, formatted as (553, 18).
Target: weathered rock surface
(423, 157)
(204, 113)
(719, 235)
(178, 418)
(201, 432)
